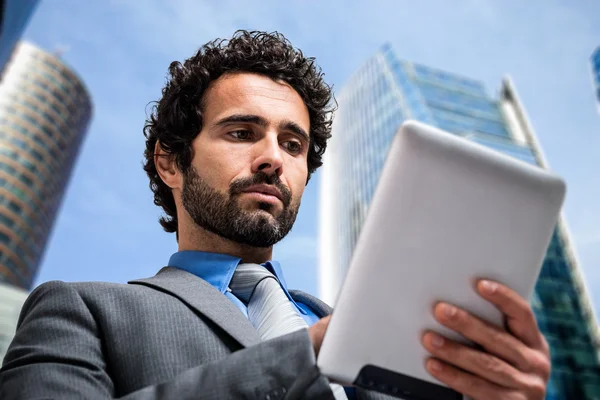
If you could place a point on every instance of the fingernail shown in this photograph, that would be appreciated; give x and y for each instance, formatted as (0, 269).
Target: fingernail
(489, 287)
(437, 340)
(435, 365)
(449, 310)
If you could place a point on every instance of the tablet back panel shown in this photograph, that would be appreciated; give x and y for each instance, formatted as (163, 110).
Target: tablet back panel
(446, 211)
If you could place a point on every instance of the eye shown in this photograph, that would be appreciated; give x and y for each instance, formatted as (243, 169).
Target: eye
(242, 134)
(293, 146)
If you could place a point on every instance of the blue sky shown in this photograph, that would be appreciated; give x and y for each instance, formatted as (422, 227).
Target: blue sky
(107, 228)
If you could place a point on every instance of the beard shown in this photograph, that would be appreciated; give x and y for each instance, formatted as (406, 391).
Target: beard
(222, 215)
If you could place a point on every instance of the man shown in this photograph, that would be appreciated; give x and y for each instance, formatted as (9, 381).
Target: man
(230, 147)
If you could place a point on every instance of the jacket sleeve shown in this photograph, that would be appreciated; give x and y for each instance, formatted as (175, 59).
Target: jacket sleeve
(57, 353)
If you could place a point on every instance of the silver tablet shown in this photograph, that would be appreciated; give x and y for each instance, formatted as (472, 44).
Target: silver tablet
(446, 212)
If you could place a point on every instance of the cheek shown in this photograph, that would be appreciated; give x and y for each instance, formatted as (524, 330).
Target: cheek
(217, 170)
(297, 181)
(297, 196)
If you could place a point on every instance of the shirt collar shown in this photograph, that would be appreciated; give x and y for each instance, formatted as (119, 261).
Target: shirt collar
(217, 269)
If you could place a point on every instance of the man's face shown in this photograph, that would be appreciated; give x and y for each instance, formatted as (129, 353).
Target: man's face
(250, 160)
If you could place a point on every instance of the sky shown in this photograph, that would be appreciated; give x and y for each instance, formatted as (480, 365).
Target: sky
(107, 228)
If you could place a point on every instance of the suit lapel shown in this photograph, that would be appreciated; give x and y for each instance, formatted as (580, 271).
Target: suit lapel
(205, 299)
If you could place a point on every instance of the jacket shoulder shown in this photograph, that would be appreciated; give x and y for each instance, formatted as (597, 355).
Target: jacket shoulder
(318, 306)
(69, 295)
(57, 287)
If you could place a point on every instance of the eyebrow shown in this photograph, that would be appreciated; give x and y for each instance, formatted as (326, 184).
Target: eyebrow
(260, 121)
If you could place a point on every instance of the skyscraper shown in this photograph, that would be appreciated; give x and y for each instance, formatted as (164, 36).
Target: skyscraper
(44, 113)
(11, 301)
(372, 105)
(595, 64)
(14, 15)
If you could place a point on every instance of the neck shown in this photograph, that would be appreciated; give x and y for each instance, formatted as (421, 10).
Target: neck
(199, 239)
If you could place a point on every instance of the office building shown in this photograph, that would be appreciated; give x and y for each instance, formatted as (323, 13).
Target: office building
(372, 105)
(44, 113)
(11, 301)
(595, 64)
(14, 15)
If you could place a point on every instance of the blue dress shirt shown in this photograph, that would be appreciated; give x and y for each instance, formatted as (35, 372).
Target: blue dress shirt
(217, 269)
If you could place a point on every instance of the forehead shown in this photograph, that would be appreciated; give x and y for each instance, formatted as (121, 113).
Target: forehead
(248, 93)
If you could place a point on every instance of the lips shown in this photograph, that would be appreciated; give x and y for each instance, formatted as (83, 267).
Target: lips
(265, 189)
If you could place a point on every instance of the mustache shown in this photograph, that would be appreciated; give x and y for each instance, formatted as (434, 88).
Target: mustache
(259, 178)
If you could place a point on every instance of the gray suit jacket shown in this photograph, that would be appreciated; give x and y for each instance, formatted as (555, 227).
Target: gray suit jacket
(172, 336)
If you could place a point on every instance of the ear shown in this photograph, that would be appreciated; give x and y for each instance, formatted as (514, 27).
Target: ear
(167, 167)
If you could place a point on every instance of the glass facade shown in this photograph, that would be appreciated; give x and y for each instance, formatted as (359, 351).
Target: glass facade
(377, 99)
(44, 114)
(595, 63)
(14, 15)
(11, 301)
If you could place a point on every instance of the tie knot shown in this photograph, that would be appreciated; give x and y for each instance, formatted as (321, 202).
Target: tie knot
(245, 279)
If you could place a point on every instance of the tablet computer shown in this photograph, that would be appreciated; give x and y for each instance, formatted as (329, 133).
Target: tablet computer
(446, 212)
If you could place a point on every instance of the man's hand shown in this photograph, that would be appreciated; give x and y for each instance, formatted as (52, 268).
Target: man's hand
(515, 364)
(317, 332)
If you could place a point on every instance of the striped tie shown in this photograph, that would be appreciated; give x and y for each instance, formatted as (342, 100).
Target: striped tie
(269, 309)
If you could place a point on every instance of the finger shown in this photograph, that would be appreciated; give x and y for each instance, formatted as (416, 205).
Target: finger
(495, 341)
(520, 318)
(466, 383)
(479, 363)
(317, 332)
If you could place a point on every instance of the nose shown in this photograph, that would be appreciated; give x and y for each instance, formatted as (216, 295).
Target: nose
(269, 157)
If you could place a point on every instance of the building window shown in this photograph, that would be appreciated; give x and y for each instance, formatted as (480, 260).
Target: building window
(4, 238)
(12, 266)
(9, 223)
(14, 207)
(26, 180)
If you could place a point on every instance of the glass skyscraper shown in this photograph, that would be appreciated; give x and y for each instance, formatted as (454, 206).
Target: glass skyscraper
(377, 99)
(11, 301)
(14, 15)
(595, 64)
(45, 110)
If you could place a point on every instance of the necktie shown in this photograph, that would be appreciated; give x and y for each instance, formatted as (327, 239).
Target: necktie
(269, 309)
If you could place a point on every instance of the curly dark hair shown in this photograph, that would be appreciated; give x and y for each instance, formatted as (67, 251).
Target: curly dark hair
(176, 119)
